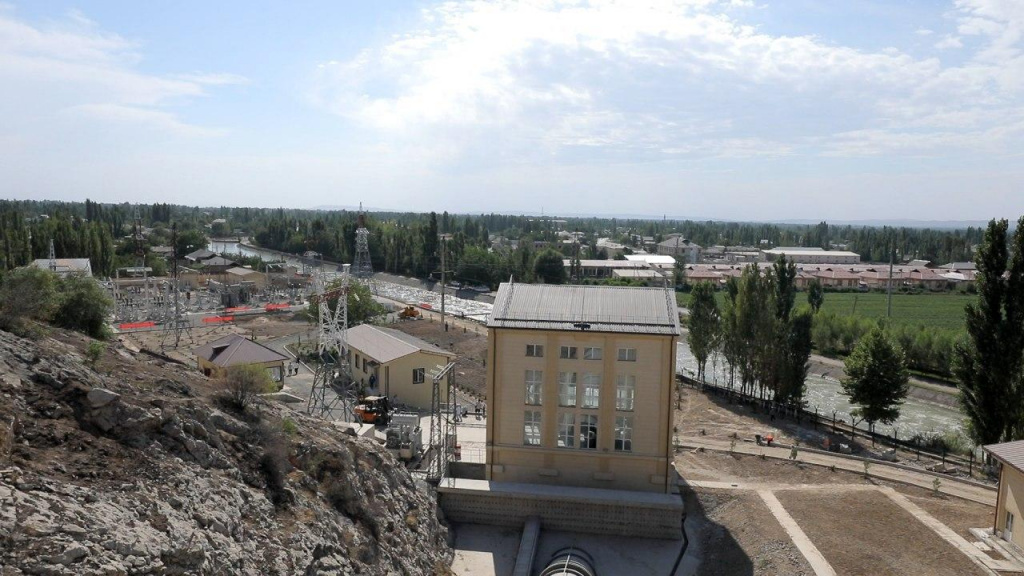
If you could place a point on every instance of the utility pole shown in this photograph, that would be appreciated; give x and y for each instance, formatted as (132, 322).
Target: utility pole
(444, 250)
(888, 298)
(177, 304)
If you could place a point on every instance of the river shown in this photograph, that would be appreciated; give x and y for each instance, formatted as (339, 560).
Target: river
(823, 391)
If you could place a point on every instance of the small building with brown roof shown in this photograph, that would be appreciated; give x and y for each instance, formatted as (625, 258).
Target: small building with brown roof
(1010, 498)
(216, 357)
(837, 278)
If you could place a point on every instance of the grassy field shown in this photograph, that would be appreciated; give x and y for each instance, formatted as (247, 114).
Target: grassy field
(942, 310)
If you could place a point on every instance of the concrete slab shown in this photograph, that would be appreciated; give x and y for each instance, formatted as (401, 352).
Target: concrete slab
(484, 550)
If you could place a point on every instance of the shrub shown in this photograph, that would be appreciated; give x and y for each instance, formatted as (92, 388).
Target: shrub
(94, 352)
(83, 306)
(26, 294)
(241, 385)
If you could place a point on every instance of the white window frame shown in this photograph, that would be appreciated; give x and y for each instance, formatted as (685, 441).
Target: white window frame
(534, 381)
(592, 353)
(419, 375)
(535, 350)
(567, 390)
(625, 392)
(623, 433)
(588, 426)
(566, 430)
(531, 427)
(627, 355)
(591, 390)
(568, 353)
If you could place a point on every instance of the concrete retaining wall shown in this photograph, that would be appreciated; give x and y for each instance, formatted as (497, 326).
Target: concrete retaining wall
(574, 513)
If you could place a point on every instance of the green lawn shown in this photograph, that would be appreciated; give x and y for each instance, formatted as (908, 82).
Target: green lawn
(942, 310)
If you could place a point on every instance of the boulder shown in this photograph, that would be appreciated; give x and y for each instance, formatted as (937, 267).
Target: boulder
(100, 397)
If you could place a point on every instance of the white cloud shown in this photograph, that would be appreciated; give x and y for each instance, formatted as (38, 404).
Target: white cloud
(924, 32)
(949, 42)
(541, 79)
(73, 65)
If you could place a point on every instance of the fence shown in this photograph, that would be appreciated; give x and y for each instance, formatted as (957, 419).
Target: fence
(838, 425)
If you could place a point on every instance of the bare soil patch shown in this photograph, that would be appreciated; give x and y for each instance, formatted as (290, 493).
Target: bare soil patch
(958, 514)
(471, 348)
(717, 466)
(735, 533)
(865, 533)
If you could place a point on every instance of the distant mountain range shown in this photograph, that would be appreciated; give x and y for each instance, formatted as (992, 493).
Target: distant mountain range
(894, 222)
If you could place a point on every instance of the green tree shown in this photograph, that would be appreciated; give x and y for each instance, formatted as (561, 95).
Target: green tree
(361, 306)
(815, 295)
(987, 362)
(220, 229)
(877, 380)
(189, 241)
(83, 306)
(548, 267)
(242, 384)
(27, 294)
(704, 325)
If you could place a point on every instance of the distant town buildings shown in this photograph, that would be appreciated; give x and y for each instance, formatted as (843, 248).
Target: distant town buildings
(812, 255)
(680, 248)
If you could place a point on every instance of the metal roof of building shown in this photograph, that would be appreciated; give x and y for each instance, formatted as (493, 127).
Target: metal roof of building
(653, 259)
(65, 265)
(595, 308)
(385, 344)
(1009, 453)
(241, 271)
(235, 350)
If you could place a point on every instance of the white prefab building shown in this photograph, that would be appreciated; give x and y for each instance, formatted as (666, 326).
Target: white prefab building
(813, 256)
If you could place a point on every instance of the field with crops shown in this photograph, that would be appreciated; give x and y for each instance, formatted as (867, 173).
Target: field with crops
(942, 310)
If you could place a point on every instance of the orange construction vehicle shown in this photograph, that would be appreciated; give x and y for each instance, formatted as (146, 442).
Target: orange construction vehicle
(408, 313)
(373, 410)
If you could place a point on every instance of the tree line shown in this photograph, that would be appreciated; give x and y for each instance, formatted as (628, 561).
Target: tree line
(763, 337)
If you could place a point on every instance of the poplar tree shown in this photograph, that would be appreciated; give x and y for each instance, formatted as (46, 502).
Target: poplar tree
(703, 325)
(987, 363)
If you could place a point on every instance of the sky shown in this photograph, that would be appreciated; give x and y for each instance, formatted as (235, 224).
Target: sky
(733, 109)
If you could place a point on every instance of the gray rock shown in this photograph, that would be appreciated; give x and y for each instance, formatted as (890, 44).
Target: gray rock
(100, 397)
(74, 553)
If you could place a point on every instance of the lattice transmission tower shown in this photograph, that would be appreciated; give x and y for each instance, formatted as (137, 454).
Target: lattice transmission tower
(333, 395)
(362, 266)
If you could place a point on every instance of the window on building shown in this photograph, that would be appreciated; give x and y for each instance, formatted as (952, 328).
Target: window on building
(418, 375)
(591, 353)
(567, 353)
(566, 388)
(625, 391)
(624, 433)
(627, 354)
(531, 427)
(535, 350)
(566, 430)
(588, 432)
(591, 390)
(534, 382)
(1009, 522)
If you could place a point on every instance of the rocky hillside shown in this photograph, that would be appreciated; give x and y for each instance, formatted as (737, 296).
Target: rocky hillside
(134, 467)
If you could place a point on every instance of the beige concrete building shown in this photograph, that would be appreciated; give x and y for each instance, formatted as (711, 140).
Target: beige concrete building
(1010, 499)
(579, 386)
(395, 364)
(216, 357)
